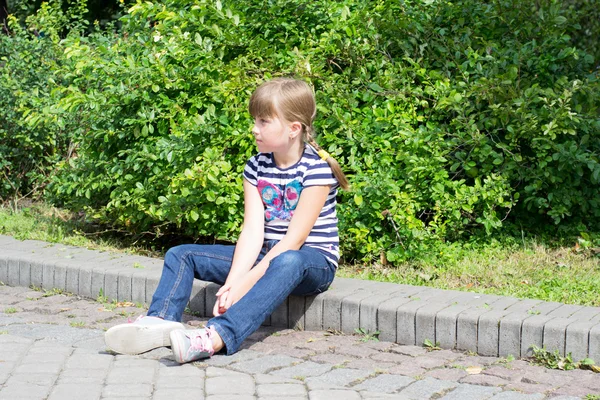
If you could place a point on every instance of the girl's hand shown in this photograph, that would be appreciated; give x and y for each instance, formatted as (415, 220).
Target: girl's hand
(222, 296)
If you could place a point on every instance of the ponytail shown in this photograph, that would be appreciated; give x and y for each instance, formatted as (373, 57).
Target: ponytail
(325, 156)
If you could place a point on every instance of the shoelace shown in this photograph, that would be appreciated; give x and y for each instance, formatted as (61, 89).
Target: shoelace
(202, 342)
(129, 321)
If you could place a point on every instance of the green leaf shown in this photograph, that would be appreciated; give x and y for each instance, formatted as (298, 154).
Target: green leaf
(358, 199)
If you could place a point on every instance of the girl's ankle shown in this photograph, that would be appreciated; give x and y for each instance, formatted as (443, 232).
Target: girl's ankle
(217, 341)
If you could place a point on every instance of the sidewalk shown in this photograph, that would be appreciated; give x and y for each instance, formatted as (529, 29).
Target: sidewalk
(51, 347)
(51, 343)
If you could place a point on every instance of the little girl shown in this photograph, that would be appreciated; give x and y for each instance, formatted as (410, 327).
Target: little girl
(288, 244)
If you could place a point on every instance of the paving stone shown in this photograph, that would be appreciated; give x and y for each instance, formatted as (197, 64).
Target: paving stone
(447, 374)
(268, 379)
(265, 364)
(381, 396)
(222, 385)
(281, 390)
(333, 395)
(24, 391)
(529, 387)
(242, 355)
(573, 391)
(305, 369)
(471, 392)
(127, 390)
(74, 391)
(566, 398)
(333, 359)
(484, 380)
(510, 395)
(366, 363)
(384, 383)
(428, 362)
(37, 379)
(409, 350)
(428, 387)
(174, 393)
(407, 369)
(336, 378)
(125, 375)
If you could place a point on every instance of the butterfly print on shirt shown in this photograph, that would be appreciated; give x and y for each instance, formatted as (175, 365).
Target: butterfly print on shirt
(279, 204)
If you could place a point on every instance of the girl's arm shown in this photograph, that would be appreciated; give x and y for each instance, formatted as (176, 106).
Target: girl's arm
(311, 202)
(249, 243)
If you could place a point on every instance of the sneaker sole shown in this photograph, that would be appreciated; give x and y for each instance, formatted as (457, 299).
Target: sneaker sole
(176, 346)
(136, 339)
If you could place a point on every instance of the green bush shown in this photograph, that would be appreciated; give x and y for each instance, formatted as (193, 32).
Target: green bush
(449, 118)
(31, 141)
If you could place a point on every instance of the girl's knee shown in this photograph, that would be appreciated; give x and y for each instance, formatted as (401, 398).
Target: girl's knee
(287, 259)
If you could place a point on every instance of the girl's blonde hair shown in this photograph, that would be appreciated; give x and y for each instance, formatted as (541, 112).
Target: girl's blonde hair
(292, 100)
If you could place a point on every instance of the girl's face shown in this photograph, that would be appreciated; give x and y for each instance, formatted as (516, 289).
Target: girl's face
(272, 135)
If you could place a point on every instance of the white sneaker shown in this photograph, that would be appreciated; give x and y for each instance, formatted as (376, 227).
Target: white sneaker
(192, 345)
(142, 335)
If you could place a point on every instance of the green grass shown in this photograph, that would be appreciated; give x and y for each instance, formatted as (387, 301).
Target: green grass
(526, 270)
(519, 267)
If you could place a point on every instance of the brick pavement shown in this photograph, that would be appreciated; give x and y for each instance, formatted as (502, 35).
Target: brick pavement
(51, 347)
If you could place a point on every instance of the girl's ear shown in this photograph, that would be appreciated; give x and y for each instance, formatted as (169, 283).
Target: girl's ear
(295, 129)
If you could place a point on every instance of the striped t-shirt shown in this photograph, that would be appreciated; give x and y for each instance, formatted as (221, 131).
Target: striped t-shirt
(280, 190)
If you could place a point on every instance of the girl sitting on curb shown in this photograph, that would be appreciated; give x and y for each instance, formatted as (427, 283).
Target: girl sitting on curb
(288, 244)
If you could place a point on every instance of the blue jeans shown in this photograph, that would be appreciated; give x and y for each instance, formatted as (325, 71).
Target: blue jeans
(300, 272)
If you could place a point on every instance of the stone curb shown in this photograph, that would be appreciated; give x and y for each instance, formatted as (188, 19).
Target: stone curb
(487, 324)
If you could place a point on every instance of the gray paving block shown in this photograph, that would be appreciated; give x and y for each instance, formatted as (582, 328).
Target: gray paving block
(406, 313)
(124, 284)
(3, 270)
(564, 311)
(509, 336)
(577, 339)
(296, 312)
(427, 388)
(313, 313)
(511, 395)
(60, 276)
(85, 283)
(211, 297)
(111, 284)
(339, 377)
(31, 265)
(351, 308)
(387, 314)
(426, 317)
(48, 274)
(279, 317)
(446, 320)
(305, 370)
(369, 307)
(467, 328)
(594, 344)
(264, 364)
(489, 328)
(332, 300)
(488, 333)
(384, 383)
(532, 333)
(586, 313)
(544, 308)
(12, 262)
(555, 334)
(471, 392)
(197, 298)
(152, 284)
